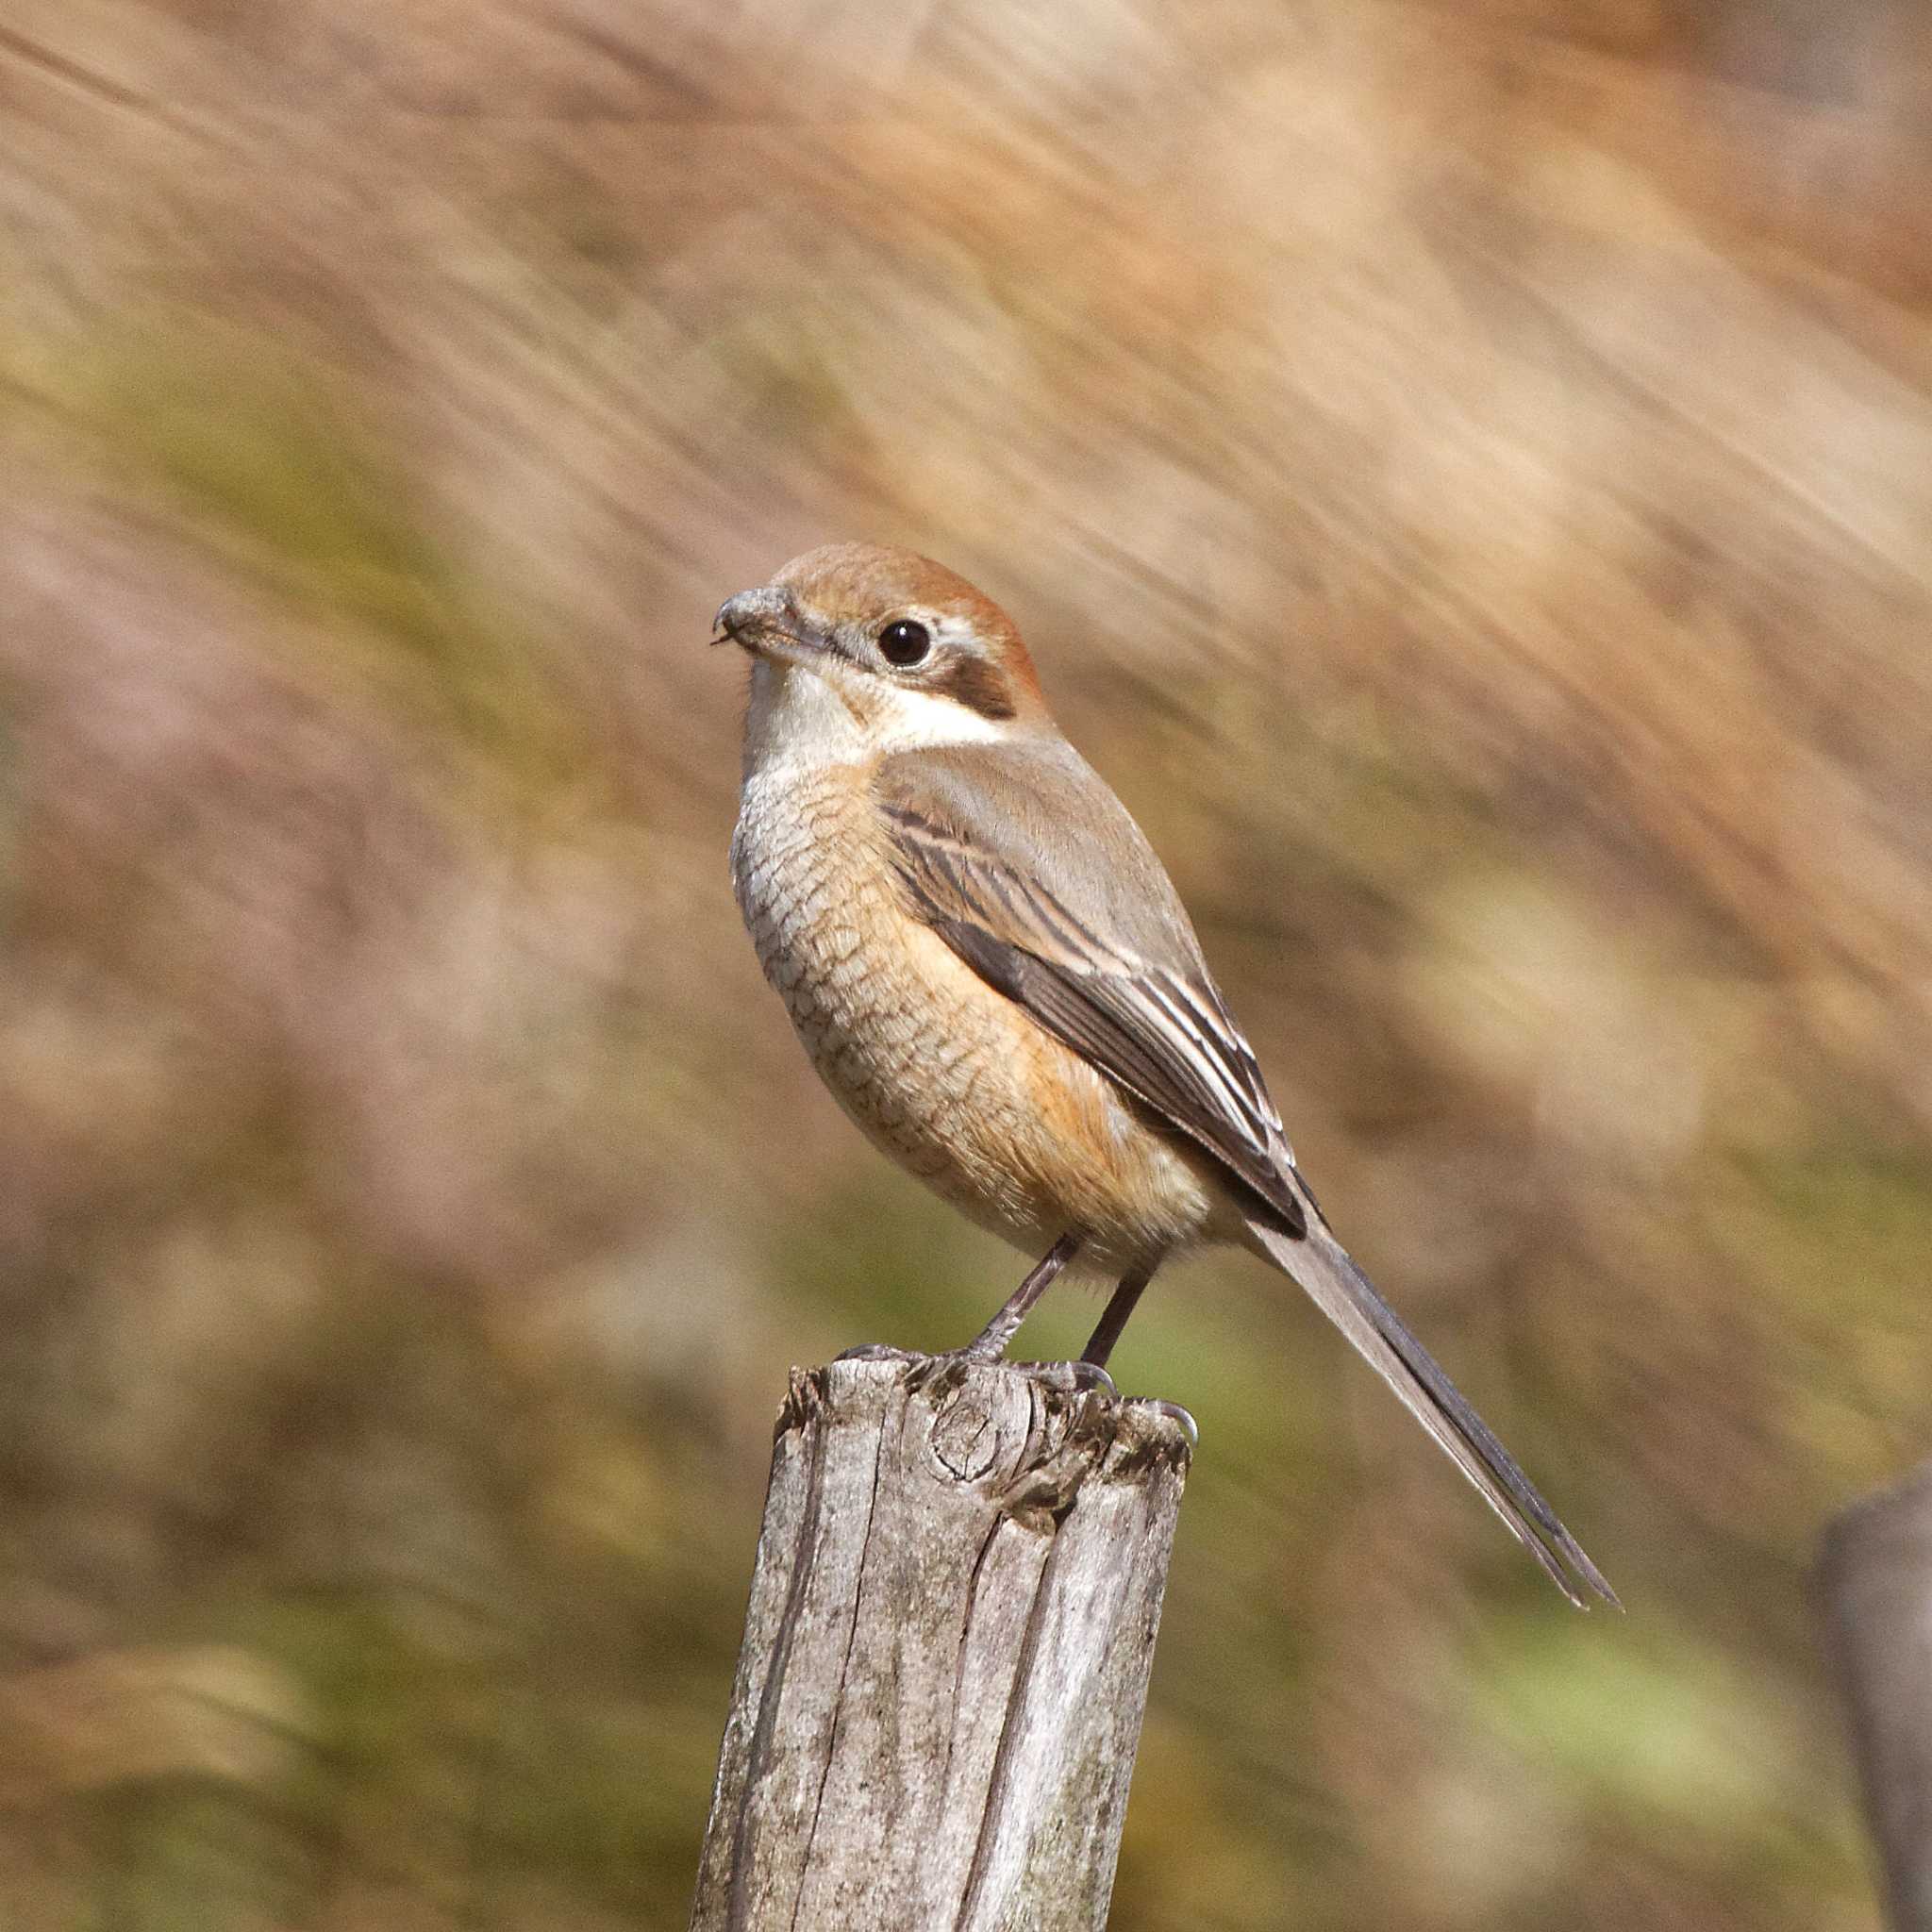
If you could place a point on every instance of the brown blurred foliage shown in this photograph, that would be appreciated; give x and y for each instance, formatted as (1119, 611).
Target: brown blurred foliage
(1466, 473)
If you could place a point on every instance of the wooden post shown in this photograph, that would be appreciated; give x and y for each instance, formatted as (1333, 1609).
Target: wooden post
(945, 1660)
(1875, 1576)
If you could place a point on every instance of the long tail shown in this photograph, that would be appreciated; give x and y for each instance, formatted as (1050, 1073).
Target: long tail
(1320, 1263)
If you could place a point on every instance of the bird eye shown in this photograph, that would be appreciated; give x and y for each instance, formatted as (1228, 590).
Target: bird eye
(904, 643)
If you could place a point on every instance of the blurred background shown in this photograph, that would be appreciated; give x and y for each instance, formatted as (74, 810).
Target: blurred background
(1465, 470)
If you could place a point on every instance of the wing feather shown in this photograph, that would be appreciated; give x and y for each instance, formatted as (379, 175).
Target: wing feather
(1163, 1035)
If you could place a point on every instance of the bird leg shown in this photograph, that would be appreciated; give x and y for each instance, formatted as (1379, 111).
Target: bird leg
(993, 1340)
(1114, 1317)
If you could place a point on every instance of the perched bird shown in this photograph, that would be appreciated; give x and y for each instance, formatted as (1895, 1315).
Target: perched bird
(992, 971)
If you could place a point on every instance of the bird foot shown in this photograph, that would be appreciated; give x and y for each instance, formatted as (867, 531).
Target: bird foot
(1170, 1411)
(1077, 1377)
(1069, 1377)
(1073, 1377)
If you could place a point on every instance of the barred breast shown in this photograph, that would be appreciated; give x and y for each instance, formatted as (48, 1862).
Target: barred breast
(942, 1073)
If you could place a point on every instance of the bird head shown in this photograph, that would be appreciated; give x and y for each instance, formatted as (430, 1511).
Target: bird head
(883, 648)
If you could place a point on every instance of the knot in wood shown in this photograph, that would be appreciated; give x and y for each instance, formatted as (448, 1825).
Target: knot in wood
(1025, 1435)
(966, 1433)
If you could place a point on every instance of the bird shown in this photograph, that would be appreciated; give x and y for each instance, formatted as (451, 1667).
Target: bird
(992, 971)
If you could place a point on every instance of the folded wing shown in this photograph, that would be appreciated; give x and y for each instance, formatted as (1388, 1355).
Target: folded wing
(1103, 956)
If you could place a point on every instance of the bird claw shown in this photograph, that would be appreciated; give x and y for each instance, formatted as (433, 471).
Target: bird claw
(1090, 1378)
(1076, 1377)
(1175, 1414)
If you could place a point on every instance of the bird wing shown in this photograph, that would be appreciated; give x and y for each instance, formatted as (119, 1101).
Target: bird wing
(1115, 974)
(1101, 955)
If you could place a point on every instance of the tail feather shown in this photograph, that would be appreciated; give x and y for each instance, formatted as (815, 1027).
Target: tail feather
(1324, 1269)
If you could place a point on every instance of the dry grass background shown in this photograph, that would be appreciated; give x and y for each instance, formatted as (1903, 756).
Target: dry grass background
(1466, 472)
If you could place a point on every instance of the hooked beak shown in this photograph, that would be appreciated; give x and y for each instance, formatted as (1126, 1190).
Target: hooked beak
(759, 620)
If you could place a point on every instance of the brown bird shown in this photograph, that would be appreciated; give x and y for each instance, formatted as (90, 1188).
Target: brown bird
(992, 971)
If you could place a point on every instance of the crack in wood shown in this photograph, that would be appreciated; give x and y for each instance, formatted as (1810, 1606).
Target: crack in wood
(946, 1654)
(743, 1865)
(845, 1674)
(990, 1816)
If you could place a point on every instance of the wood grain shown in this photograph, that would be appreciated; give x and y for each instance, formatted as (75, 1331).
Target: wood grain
(945, 1661)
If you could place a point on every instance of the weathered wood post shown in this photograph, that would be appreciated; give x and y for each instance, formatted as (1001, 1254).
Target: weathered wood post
(945, 1660)
(1875, 1577)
